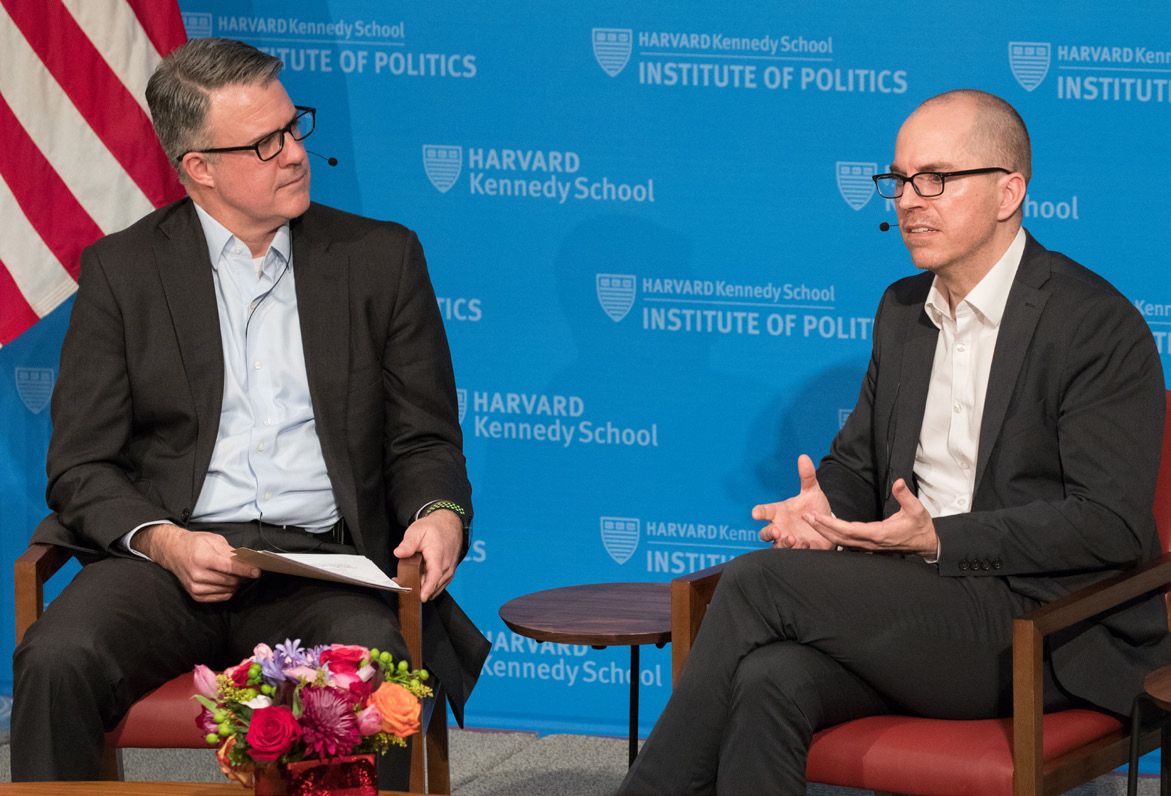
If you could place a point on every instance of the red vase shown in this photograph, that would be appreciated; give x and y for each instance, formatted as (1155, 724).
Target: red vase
(354, 775)
(271, 780)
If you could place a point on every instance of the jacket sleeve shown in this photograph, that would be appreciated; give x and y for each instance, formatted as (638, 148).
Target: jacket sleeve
(91, 479)
(424, 444)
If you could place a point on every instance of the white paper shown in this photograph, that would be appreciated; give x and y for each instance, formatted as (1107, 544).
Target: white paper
(353, 569)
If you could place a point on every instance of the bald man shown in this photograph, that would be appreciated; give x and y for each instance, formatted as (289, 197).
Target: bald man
(1003, 452)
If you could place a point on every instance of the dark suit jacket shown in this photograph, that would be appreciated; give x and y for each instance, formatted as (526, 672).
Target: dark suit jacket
(1068, 456)
(138, 401)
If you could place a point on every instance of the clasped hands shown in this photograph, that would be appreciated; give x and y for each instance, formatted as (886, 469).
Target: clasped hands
(805, 521)
(204, 562)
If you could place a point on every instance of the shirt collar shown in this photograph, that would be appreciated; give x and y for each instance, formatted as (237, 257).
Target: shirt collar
(219, 238)
(990, 295)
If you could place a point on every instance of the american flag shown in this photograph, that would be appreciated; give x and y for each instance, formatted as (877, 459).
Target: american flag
(78, 156)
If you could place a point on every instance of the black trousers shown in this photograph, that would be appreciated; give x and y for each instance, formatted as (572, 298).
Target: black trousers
(124, 626)
(798, 640)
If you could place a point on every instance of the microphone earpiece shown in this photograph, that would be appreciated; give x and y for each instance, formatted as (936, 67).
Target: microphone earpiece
(886, 225)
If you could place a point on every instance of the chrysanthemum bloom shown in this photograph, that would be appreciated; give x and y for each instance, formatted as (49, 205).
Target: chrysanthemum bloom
(328, 726)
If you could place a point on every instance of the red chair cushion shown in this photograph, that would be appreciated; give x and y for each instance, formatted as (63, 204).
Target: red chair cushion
(934, 756)
(163, 719)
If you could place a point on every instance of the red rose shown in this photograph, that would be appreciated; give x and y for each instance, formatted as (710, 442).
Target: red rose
(344, 658)
(239, 675)
(272, 732)
(358, 690)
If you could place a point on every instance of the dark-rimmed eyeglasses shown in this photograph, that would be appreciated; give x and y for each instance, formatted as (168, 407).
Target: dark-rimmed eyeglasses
(926, 183)
(272, 144)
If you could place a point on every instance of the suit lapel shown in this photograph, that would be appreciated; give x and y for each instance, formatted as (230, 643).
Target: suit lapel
(1021, 313)
(911, 399)
(323, 307)
(184, 269)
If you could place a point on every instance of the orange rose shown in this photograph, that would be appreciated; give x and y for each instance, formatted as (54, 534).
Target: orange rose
(399, 709)
(243, 774)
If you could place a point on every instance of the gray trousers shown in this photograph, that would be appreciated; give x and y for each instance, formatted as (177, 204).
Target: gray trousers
(124, 626)
(798, 640)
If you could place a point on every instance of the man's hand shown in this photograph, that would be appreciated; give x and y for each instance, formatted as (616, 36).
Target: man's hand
(909, 530)
(787, 526)
(203, 562)
(439, 537)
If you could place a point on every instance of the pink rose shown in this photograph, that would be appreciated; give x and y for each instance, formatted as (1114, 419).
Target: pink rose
(205, 682)
(306, 673)
(261, 651)
(344, 658)
(272, 732)
(369, 721)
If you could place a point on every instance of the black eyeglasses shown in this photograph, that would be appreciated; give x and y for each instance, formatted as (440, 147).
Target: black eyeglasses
(926, 183)
(271, 145)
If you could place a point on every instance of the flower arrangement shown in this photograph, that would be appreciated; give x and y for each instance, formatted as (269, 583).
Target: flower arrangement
(289, 703)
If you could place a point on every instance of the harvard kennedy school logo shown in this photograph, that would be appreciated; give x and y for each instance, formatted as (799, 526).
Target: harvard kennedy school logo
(612, 48)
(35, 387)
(615, 294)
(442, 164)
(620, 536)
(1029, 61)
(854, 183)
(461, 396)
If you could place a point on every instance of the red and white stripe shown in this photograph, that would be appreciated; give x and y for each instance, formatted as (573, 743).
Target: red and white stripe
(78, 156)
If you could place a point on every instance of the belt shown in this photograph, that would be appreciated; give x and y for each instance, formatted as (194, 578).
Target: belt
(335, 533)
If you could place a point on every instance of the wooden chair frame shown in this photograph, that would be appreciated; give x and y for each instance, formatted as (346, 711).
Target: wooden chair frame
(430, 772)
(1032, 775)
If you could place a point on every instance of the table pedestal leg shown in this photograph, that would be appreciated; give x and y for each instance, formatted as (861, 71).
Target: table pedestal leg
(634, 678)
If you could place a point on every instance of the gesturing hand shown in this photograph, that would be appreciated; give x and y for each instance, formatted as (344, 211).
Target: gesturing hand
(439, 537)
(203, 562)
(910, 529)
(787, 526)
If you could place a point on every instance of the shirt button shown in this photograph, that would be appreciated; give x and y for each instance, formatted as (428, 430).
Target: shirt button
(961, 348)
(961, 501)
(268, 421)
(256, 364)
(964, 465)
(268, 495)
(955, 407)
(260, 447)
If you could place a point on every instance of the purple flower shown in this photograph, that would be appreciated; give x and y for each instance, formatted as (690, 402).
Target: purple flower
(328, 726)
(206, 722)
(291, 654)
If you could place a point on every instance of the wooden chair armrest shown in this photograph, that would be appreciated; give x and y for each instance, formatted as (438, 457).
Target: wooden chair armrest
(1100, 597)
(690, 595)
(30, 572)
(1028, 647)
(410, 606)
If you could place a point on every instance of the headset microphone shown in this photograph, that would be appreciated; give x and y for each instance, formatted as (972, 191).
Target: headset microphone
(330, 160)
(886, 225)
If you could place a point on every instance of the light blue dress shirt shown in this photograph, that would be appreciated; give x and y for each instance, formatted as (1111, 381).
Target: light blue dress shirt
(267, 462)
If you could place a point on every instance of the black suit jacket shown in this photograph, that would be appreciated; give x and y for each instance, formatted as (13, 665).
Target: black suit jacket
(1068, 456)
(137, 405)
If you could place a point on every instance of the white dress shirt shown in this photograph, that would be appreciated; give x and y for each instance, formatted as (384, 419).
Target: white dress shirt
(945, 460)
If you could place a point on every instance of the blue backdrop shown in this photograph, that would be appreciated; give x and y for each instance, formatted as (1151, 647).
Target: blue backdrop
(653, 235)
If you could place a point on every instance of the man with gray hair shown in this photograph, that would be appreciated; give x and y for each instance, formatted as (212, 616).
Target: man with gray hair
(1003, 452)
(243, 368)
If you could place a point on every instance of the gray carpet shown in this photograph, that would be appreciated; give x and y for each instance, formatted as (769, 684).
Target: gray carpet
(485, 763)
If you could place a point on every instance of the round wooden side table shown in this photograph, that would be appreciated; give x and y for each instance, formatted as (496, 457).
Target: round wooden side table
(599, 615)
